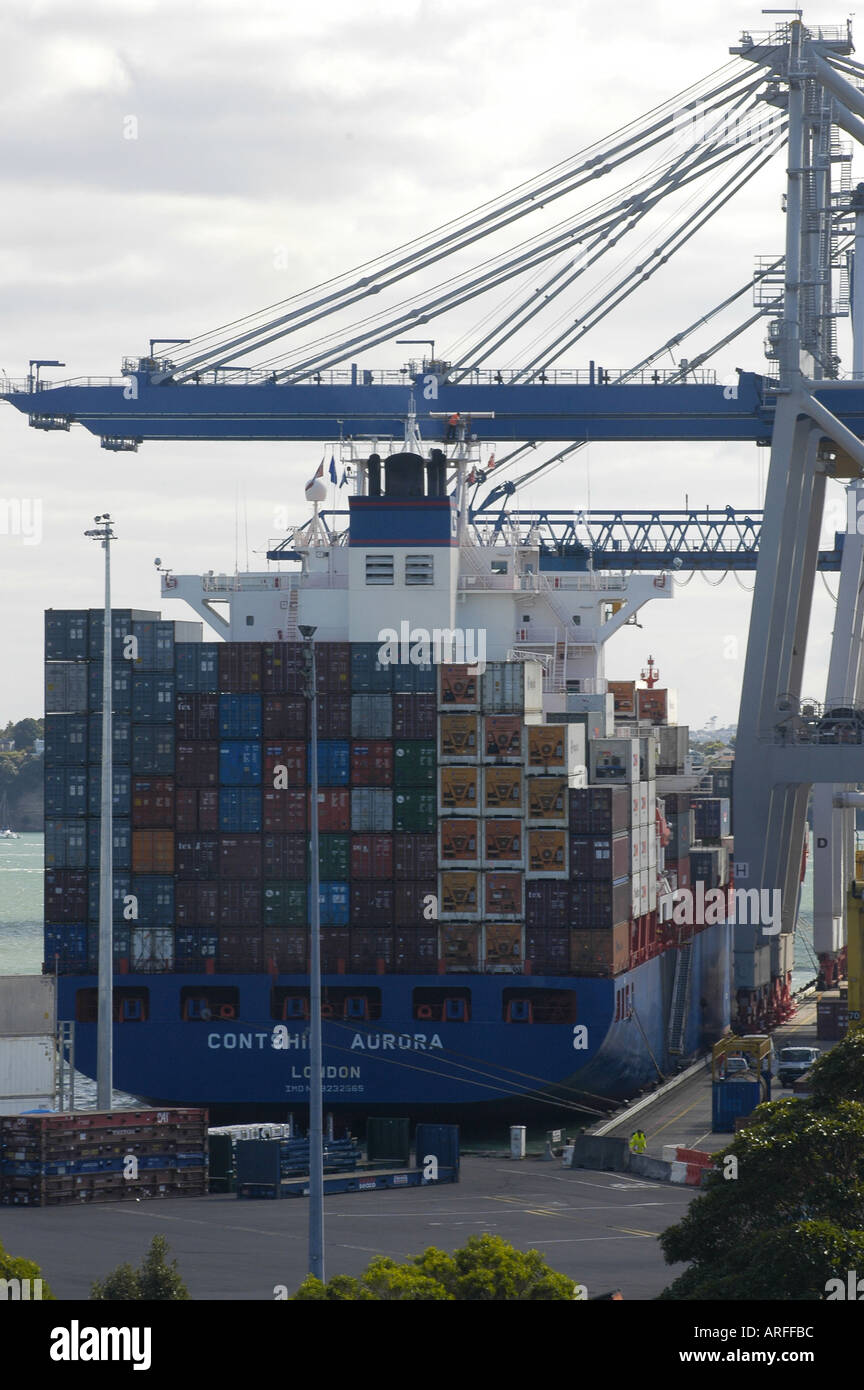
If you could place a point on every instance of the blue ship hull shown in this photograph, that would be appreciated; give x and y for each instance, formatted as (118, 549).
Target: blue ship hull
(617, 1045)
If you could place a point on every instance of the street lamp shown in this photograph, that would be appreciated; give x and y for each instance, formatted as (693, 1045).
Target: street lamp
(316, 1100)
(104, 533)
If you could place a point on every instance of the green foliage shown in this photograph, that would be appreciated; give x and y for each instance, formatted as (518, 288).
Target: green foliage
(24, 732)
(839, 1074)
(16, 1267)
(486, 1269)
(155, 1281)
(795, 1209)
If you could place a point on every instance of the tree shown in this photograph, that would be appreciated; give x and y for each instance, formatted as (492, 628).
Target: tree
(24, 733)
(840, 1072)
(155, 1281)
(795, 1208)
(485, 1269)
(16, 1267)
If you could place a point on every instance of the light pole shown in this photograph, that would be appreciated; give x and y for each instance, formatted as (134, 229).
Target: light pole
(316, 1100)
(104, 1037)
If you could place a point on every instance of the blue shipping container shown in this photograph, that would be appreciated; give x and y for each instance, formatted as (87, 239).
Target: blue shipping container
(334, 899)
(68, 943)
(197, 666)
(155, 900)
(121, 738)
(409, 679)
(66, 792)
(240, 810)
(334, 763)
(239, 763)
(65, 844)
(368, 674)
(729, 1099)
(121, 888)
(239, 716)
(66, 634)
(153, 750)
(121, 687)
(66, 740)
(194, 946)
(152, 699)
(121, 842)
(121, 792)
(438, 1141)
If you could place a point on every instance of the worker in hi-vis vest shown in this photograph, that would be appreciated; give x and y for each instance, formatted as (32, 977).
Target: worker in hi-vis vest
(638, 1142)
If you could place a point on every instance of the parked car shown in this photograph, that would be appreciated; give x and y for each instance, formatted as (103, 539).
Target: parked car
(794, 1062)
(736, 1066)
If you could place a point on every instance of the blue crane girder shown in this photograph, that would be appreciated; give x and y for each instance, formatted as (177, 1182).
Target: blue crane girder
(553, 412)
(718, 539)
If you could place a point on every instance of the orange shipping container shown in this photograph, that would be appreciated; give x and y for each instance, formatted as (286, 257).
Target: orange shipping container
(624, 696)
(502, 736)
(503, 839)
(601, 952)
(504, 944)
(504, 894)
(460, 788)
(653, 705)
(458, 735)
(459, 891)
(459, 839)
(547, 798)
(460, 945)
(547, 745)
(547, 852)
(503, 789)
(460, 685)
(152, 851)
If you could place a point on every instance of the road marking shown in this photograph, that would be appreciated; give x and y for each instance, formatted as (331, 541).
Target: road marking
(653, 1234)
(686, 1111)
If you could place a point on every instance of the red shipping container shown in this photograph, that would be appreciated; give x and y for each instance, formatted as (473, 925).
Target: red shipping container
(371, 903)
(334, 716)
(599, 856)
(459, 839)
(547, 903)
(334, 811)
(196, 904)
(286, 949)
(197, 716)
(240, 856)
(372, 763)
(284, 857)
(152, 852)
(371, 949)
(196, 808)
(153, 802)
(290, 755)
(66, 892)
(240, 950)
(414, 856)
(196, 856)
(416, 950)
(409, 901)
(371, 856)
(414, 716)
(547, 951)
(681, 868)
(284, 717)
(239, 667)
(197, 764)
(239, 904)
(283, 666)
(335, 950)
(283, 810)
(333, 669)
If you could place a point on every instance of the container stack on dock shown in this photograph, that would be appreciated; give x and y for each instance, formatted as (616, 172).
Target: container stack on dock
(102, 1156)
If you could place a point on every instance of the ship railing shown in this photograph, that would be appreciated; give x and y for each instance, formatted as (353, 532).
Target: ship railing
(26, 386)
(399, 376)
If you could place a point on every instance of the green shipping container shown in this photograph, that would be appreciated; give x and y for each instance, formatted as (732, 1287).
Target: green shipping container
(284, 904)
(414, 762)
(334, 856)
(388, 1140)
(415, 811)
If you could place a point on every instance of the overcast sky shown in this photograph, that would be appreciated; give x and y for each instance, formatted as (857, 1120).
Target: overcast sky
(277, 145)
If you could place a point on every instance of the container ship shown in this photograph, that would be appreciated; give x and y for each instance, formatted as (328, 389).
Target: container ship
(498, 822)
